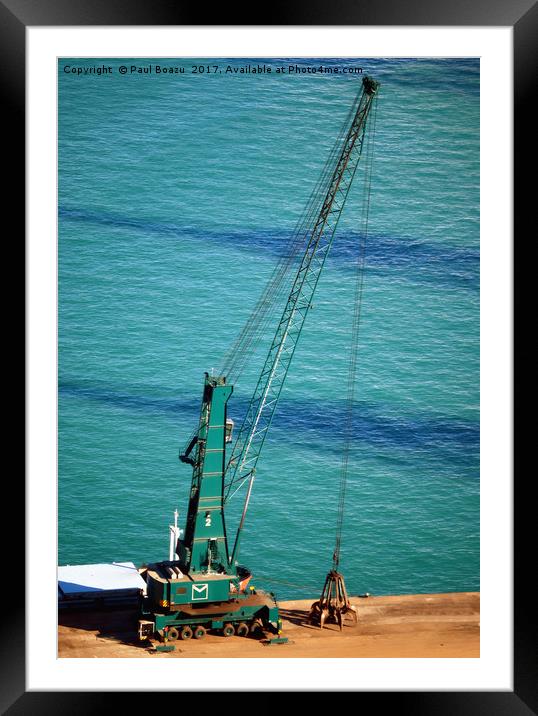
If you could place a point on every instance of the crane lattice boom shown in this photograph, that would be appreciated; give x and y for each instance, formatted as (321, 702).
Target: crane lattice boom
(262, 406)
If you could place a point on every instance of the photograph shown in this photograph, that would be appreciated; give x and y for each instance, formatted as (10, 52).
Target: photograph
(268, 357)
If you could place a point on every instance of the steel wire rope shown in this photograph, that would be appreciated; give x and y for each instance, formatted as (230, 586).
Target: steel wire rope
(258, 321)
(248, 340)
(354, 342)
(243, 478)
(274, 580)
(255, 327)
(297, 239)
(237, 476)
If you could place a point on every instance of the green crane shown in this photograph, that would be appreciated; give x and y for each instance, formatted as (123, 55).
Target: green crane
(206, 588)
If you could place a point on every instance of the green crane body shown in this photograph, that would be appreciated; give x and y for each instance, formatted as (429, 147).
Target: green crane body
(206, 588)
(205, 547)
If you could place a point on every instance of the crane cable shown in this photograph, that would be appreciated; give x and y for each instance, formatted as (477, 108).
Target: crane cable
(250, 336)
(354, 343)
(247, 343)
(248, 340)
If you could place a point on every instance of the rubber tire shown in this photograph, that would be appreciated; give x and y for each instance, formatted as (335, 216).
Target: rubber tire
(256, 628)
(242, 629)
(172, 634)
(199, 632)
(186, 633)
(228, 630)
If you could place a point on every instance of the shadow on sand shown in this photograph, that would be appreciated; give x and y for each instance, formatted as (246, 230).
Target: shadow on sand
(113, 624)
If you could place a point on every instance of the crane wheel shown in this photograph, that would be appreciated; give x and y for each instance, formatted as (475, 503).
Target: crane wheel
(186, 633)
(172, 634)
(199, 632)
(256, 627)
(228, 630)
(242, 629)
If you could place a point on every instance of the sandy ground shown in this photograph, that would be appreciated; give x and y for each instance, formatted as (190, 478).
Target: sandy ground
(421, 626)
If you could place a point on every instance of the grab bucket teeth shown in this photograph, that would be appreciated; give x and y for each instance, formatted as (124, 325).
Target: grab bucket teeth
(333, 605)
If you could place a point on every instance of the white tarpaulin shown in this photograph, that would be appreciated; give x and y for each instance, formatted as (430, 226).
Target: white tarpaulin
(92, 578)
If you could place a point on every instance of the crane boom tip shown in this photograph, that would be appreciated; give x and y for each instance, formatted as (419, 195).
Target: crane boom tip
(370, 86)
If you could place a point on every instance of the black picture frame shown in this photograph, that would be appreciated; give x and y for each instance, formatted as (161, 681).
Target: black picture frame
(522, 16)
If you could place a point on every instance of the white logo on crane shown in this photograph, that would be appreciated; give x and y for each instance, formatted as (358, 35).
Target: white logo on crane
(199, 591)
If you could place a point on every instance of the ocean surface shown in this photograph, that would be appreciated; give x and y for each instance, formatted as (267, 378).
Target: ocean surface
(177, 194)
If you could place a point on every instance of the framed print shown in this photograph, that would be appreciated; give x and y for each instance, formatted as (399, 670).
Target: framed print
(90, 390)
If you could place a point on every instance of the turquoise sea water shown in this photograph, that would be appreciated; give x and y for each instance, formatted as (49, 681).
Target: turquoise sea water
(176, 196)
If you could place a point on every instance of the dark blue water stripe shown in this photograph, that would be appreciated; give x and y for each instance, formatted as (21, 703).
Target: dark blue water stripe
(417, 260)
(371, 423)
